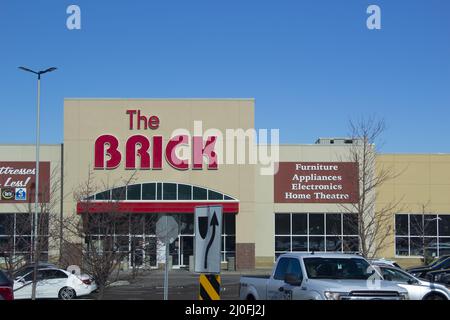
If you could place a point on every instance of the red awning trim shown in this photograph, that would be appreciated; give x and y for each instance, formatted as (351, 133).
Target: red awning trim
(152, 207)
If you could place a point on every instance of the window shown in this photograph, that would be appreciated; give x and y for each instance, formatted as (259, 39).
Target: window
(149, 191)
(281, 269)
(212, 195)
(199, 193)
(331, 232)
(283, 223)
(401, 224)
(299, 224)
(159, 191)
(287, 265)
(416, 234)
(134, 192)
(395, 275)
(228, 236)
(106, 195)
(16, 235)
(184, 192)
(119, 193)
(316, 225)
(169, 191)
(334, 225)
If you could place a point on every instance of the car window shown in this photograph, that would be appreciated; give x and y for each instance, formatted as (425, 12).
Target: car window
(282, 266)
(52, 274)
(29, 276)
(338, 268)
(294, 268)
(22, 272)
(288, 265)
(395, 275)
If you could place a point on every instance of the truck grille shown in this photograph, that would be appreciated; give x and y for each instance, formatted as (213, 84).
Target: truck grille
(372, 295)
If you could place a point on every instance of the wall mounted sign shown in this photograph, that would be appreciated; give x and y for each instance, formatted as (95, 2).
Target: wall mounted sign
(316, 182)
(17, 182)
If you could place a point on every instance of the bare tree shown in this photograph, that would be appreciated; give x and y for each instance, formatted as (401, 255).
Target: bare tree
(375, 223)
(90, 236)
(420, 225)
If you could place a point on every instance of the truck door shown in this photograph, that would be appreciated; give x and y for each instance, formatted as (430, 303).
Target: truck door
(275, 284)
(297, 291)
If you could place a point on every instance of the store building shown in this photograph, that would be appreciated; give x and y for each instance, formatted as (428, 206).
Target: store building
(167, 156)
(421, 188)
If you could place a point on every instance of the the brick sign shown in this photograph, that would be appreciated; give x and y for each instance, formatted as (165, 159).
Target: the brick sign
(18, 183)
(316, 182)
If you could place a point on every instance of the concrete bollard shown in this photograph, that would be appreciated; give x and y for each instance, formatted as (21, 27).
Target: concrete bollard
(231, 264)
(191, 264)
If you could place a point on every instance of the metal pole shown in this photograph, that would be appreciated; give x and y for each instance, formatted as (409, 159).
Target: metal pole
(166, 268)
(36, 195)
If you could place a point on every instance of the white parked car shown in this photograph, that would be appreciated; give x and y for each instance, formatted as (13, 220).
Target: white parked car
(53, 283)
(417, 289)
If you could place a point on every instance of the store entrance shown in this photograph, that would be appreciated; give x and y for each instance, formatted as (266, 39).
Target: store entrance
(180, 250)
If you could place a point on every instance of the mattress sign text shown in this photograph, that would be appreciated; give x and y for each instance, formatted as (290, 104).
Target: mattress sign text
(312, 182)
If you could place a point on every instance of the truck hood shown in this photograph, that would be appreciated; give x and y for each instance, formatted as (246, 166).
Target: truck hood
(342, 285)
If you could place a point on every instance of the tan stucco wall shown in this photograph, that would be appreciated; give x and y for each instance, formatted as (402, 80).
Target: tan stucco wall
(264, 195)
(86, 119)
(421, 179)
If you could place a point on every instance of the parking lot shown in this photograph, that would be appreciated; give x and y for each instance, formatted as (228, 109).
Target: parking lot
(183, 285)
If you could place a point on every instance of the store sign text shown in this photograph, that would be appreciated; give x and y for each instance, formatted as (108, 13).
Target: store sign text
(312, 182)
(149, 151)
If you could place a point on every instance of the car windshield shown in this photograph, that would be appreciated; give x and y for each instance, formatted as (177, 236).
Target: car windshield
(338, 268)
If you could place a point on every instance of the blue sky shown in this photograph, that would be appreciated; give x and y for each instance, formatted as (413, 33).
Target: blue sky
(310, 64)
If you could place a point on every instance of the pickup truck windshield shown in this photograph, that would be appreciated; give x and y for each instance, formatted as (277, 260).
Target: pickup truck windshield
(338, 268)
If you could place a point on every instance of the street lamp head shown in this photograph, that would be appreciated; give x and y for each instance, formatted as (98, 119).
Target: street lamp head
(28, 70)
(40, 72)
(48, 70)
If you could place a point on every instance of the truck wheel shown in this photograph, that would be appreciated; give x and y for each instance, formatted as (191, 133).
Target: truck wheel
(250, 297)
(434, 296)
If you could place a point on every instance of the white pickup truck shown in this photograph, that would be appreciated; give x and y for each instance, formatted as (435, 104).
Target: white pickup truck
(320, 276)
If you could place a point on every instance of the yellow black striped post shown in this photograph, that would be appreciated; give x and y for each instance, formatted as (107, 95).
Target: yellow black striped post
(209, 287)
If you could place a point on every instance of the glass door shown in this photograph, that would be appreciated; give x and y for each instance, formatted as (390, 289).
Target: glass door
(187, 249)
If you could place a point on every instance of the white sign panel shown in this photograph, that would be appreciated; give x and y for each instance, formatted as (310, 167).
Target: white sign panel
(208, 231)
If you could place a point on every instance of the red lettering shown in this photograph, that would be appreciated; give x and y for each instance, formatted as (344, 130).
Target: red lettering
(139, 146)
(131, 113)
(207, 150)
(141, 118)
(142, 152)
(100, 152)
(171, 157)
(157, 152)
(153, 122)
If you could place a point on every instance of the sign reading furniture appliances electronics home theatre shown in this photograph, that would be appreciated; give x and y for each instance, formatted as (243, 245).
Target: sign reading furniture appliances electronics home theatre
(316, 182)
(17, 181)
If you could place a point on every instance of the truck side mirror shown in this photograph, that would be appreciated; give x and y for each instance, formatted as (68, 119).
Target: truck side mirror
(293, 279)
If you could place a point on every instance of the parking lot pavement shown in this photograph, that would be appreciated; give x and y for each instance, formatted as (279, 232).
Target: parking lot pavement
(183, 285)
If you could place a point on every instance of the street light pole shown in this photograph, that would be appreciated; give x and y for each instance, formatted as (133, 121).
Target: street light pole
(34, 257)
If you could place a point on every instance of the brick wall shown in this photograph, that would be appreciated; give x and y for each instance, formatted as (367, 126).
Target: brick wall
(245, 256)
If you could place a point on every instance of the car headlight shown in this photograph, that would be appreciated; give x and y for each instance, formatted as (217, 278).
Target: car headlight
(330, 295)
(404, 296)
